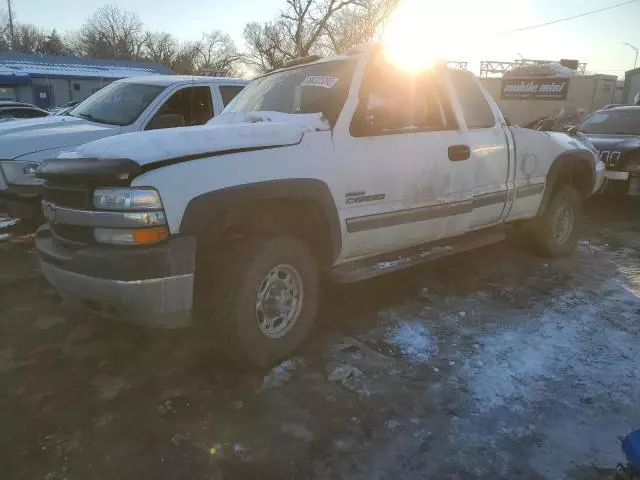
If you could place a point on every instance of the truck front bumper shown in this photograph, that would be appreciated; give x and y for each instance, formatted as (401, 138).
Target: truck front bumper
(151, 286)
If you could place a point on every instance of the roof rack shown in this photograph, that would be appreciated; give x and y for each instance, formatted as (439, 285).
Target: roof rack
(301, 61)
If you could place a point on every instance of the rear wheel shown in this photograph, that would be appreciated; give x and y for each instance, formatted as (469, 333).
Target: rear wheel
(556, 231)
(265, 295)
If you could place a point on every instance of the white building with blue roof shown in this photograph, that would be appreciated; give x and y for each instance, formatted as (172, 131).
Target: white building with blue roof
(51, 80)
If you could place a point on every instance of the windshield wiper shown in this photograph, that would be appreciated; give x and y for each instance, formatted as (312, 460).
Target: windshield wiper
(91, 118)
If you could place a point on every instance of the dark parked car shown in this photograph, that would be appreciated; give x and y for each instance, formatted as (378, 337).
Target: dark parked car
(19, 110)
(615, 133)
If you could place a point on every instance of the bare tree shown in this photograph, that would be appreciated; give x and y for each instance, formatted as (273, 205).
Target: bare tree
(305, 21)
(5, 34)
(186, 61)
(358, 24)
(308, 27)
(53, 44)
(28, 39)
(162, 47)
(111, 33)
(266, 46)
(215, 52)
(218, 53)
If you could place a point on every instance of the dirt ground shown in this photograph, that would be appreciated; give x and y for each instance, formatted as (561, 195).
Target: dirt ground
(492, 364)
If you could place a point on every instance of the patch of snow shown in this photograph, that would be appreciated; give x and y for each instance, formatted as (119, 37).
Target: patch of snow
(8, 222)
(75, 68)
(402, 260)
(311, 122)
(280, 374)
(392, 424)
(586, 246)
(4, 237)
(435, 251)
(343, 372)
(156, 145)
(239, 449)
(413, 340)
(350, 377)
(390, 263)
(515, 365)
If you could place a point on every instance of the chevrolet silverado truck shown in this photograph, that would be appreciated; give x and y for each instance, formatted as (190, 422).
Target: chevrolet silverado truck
(344, 167)
(128, 105)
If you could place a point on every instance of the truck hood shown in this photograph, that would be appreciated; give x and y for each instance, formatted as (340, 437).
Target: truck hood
(20, 137)
(229, 133)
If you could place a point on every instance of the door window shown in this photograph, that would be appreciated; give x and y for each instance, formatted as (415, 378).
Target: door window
(475, 108)
(229, 92)
(186, 107)
(393, 101)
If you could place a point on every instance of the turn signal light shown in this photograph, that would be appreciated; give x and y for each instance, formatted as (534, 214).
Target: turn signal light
(149, 235)
(119, 236)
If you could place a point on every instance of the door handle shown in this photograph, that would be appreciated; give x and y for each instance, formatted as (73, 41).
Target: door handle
(459, 152)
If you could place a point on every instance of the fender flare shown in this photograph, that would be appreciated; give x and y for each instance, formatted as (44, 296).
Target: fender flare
(570, 159)
(207, 206)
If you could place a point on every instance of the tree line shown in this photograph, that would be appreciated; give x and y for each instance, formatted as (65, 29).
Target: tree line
(299, 29)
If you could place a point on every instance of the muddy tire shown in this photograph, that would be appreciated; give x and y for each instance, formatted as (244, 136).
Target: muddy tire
(265, 296)
(556, 232)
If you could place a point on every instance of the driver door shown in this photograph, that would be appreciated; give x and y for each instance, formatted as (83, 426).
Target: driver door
(406, 177)
(187, 106)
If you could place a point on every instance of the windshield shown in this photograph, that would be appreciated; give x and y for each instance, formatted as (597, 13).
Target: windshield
(321, 87)
(118, 103)
(612, 122)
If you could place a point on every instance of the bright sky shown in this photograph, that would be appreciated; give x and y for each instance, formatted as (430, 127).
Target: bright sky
(457, 29)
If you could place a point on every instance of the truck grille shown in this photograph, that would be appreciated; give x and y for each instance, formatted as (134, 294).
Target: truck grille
(70, 197)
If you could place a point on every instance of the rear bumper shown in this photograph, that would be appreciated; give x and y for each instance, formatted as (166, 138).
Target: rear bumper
(153, 287)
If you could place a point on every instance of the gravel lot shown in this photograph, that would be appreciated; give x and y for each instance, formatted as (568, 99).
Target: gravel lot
(492, 364)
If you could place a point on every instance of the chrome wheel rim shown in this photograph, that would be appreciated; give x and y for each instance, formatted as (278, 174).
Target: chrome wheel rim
(279, 301)
(563, 223)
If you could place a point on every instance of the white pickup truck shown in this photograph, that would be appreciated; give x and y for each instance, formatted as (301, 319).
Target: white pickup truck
(128, 105)
(344, 167)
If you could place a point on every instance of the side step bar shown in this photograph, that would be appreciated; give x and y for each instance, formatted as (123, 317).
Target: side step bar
(380, 265)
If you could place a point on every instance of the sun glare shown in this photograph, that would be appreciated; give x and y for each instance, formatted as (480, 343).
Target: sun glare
(423, 32)
(405, 38)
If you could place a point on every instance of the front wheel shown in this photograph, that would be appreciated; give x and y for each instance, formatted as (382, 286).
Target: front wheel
(265, 296)
(556, 231)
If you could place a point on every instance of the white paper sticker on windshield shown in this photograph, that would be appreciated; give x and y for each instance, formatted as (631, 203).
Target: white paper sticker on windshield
(319, 81)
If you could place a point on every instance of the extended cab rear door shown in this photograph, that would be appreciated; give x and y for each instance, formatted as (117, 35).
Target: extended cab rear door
(489, 144)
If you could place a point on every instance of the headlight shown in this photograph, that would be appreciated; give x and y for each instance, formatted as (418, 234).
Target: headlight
(30, 169)
(126, 199)
(20, 173)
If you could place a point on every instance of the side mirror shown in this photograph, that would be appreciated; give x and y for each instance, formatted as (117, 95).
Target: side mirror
(570, 130)
(167, 120)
